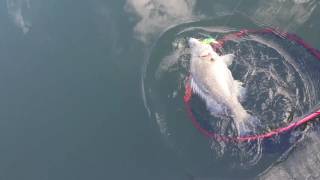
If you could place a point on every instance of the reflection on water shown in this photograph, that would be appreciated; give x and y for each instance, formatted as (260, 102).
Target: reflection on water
(156, 15)
(288, 15)
(17, 10)
(302, 163)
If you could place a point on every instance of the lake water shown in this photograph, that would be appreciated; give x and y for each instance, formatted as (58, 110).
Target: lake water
(74, 78)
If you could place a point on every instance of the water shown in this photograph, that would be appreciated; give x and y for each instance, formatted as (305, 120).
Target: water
(72, 104)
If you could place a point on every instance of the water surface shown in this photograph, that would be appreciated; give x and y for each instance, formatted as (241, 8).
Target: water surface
(72, 104)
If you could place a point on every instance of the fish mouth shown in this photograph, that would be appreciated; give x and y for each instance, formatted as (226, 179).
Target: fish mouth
(194, 43)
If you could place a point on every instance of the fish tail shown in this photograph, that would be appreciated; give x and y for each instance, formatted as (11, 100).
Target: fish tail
(244, 122)
(240, 114)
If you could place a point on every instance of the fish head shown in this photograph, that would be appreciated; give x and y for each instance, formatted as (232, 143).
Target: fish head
(200, 50)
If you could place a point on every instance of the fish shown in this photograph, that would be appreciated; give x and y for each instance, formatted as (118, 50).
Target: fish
(212, 80)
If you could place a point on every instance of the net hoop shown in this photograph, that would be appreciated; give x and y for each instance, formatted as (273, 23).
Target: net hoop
(217, 46)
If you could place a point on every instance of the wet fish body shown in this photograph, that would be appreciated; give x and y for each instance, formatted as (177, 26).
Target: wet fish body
(213, 81)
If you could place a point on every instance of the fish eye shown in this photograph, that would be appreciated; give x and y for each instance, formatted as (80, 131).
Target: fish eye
(205, 55)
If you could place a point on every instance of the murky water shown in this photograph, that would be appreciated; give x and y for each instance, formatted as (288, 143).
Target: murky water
(94, 89)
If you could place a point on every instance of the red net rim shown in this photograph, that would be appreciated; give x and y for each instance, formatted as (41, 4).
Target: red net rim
(217, 47)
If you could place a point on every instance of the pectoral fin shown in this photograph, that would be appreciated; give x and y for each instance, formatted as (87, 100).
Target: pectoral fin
(240, 90)
(227, 59)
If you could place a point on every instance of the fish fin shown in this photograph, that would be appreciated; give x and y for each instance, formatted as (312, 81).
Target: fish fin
(248, 126)
(240, 90)
(197, 90)
(212, 105)
(215, 108)
(228, 58)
